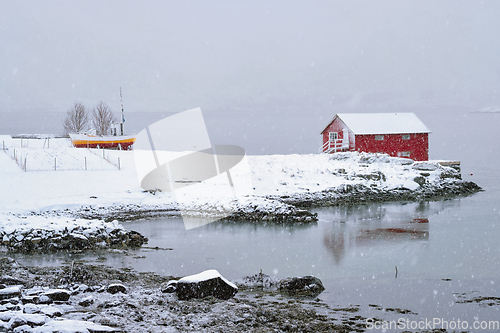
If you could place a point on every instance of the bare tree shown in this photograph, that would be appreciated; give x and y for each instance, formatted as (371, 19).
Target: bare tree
(102, 118)
(77, 119)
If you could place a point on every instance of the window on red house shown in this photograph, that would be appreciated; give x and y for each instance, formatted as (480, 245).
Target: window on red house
(333, 136)
(379, 137)
(405, 136)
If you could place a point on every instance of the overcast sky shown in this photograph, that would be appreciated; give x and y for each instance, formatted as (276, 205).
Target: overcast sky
(176, 55)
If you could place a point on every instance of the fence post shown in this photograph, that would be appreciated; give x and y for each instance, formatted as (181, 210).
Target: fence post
(55, 164)
(119, 167)
(25, 169)
(85, 162)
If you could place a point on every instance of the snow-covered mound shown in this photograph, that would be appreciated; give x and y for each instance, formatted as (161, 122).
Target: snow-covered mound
(489, 109)
(45, 233)
(354, 178)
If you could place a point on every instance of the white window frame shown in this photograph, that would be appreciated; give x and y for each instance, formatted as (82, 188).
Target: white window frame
(405, 136)
(335, 136)
(379, 137)
(405, 154)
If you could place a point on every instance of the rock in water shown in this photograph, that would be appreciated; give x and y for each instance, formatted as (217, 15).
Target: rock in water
(304, 286)
(207, 283)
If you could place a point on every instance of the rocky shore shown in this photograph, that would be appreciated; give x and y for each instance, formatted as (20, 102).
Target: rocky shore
(430, 181)
(255, 209)
(361, 194)
(27, 235)
(79, 297)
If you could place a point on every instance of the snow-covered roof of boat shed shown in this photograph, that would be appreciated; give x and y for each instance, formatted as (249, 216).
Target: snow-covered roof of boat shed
(382, 123)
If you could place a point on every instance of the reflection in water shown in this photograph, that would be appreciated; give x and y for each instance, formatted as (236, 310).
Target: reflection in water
(255, 226)
(372, 226)
(340, 238)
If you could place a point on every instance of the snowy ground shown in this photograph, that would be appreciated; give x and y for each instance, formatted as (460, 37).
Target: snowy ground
(48, 184)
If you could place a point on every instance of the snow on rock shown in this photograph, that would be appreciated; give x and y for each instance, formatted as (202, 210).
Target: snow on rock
(259, 281)
(251, 209)
(426, 166)
(10, 292)
(86, 301)
(294, 286)
(355, 178)
(20, 319)
(116, 288)
(49, 233)
(207, 283)
(9, 280)
(54, 295)
(51, 311)
(170, 287)
(73, 326)
(303, 286)
(41, 318)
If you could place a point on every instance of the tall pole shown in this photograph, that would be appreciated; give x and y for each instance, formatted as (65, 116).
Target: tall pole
(123, 116)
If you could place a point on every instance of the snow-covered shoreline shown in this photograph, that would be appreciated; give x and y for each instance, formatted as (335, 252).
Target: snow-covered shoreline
(281, 187)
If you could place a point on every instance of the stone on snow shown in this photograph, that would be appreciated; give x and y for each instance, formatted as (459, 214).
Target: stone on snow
(10, 292)
(116, 288)
(87, 301)
(207, 283)
(73, 326)
(171, 287)
(10, 281)
(54, 295)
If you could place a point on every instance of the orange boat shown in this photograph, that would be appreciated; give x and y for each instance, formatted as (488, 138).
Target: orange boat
(114, 142)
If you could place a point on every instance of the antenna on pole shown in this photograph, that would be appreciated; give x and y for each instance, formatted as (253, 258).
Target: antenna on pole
(123, 116)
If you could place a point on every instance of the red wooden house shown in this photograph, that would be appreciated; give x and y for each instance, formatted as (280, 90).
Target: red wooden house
(397, 134)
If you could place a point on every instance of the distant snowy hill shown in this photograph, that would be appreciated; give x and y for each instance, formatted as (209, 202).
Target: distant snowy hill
(489, 109)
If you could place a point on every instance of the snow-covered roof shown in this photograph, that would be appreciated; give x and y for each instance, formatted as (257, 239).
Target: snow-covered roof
(382, 123)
